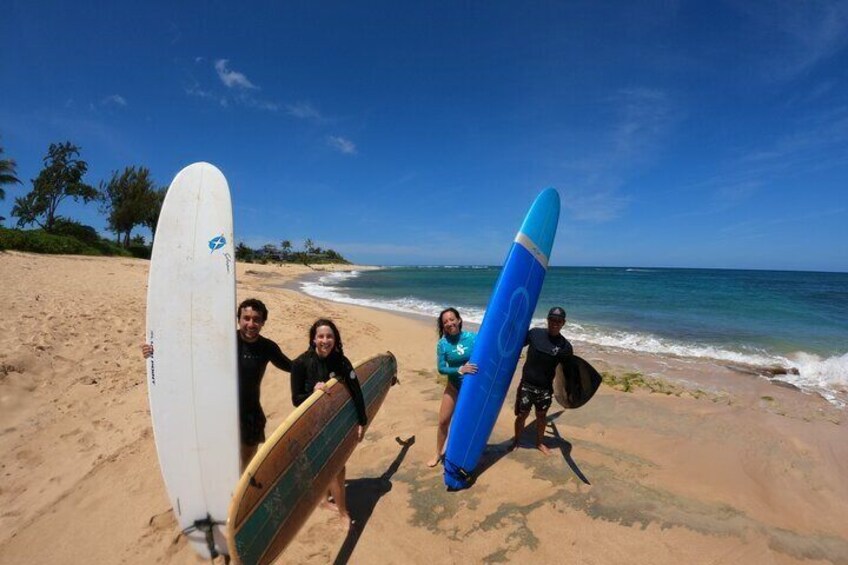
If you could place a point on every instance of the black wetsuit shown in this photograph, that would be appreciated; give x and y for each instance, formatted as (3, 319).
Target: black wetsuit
(253, 358)
(537, 378)
(309, 369)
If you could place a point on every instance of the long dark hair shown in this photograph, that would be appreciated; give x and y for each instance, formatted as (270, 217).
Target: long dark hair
(329, 323)
(439, 320)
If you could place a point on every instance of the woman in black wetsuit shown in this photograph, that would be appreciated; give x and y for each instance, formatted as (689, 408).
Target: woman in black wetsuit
(310, 371)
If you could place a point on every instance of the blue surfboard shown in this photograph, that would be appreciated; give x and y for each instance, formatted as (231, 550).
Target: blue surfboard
(500, 339)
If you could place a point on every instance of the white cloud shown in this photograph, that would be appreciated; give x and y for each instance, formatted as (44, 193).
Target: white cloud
(115, 100)
(304, 111)
(232, 79)
(342, 145)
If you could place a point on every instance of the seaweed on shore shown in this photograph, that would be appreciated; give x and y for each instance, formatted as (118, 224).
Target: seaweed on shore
(629, 382)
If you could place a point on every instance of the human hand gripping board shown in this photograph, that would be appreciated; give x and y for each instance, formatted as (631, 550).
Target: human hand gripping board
(500, 339)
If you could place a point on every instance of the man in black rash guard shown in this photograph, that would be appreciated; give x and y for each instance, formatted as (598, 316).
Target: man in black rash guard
(254, 354)
(546, 348)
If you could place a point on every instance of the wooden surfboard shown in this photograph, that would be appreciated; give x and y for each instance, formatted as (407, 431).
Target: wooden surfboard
(575, 383)
(292, 471)
(192, 377)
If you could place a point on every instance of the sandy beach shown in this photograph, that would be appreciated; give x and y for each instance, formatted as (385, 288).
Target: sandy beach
(704, 464)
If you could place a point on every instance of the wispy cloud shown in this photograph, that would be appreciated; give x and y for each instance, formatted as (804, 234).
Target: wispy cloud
(304, 111)
(231, 78)
(643, 120)
(238, 89)
(804, 33)
(114, 101)
(813, 144)
(595, 200)
(198, 92)
(341, 144)
(644, 117)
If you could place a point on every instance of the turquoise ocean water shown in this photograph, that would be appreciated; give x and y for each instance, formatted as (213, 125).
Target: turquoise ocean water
(762, 318)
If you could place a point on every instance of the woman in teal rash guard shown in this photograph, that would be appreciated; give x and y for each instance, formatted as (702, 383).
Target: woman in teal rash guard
(452, 354)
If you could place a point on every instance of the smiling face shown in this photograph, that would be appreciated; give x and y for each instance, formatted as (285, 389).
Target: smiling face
(250, 323)
(324, 341)
(451, 323)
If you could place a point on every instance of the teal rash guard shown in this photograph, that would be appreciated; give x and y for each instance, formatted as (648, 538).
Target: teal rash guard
(452, 352)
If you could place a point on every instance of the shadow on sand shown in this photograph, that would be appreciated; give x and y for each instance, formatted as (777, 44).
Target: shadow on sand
(362, 498)
(495, 452)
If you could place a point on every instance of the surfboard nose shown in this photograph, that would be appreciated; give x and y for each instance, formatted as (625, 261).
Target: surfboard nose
(542, 216)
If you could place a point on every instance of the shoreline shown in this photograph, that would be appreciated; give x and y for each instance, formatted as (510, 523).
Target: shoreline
(655, 365)
(749, 474)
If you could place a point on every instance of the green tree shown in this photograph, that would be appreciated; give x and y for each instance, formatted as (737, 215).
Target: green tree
(152, 208)
(286, 249)
(60, 178)
(244, 253)
(8, 174)
(127, 200)
(308, 245)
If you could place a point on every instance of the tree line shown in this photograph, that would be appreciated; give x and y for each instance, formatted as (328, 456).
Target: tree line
(285, 253)
(129, 199)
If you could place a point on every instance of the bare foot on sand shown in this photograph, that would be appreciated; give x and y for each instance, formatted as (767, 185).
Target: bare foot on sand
(435, 461)
(543, 448)
(513, 446)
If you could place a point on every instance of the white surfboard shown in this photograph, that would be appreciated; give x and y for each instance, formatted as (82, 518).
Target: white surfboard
(192, 377)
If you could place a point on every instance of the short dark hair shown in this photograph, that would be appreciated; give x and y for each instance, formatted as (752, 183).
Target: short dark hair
(439, 320)
(329, 323)
(257, 305)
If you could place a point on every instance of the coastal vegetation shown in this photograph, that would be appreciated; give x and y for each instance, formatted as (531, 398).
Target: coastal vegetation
(285, 253)
(128, 200)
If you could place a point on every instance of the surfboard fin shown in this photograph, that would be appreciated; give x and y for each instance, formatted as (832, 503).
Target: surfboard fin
(205, 526)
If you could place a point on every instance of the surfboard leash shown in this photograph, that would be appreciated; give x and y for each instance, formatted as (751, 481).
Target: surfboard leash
(205, 526)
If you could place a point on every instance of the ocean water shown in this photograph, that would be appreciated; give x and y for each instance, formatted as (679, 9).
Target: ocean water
(761, 318)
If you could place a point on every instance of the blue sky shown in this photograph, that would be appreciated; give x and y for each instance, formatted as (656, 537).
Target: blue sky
(682, 134)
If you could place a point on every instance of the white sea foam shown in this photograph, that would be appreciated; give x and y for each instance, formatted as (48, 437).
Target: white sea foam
(327, 287)
(828, 377)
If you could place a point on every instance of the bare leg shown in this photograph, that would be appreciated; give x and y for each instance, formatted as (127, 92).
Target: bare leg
(519, 429)
(337, 491)
(445, 415)
(541, 424)
(247, 453)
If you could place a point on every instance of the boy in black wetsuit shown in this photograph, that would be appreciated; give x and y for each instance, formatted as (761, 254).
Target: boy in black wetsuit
(254, 354)
(546, 348)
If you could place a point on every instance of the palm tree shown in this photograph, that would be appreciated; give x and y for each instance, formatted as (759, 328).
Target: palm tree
(7, 174)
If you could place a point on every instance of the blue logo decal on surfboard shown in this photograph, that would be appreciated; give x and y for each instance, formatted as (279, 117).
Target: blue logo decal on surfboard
(217, 242)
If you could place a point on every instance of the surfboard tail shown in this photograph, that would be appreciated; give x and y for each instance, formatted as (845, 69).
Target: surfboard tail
(456, 478)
